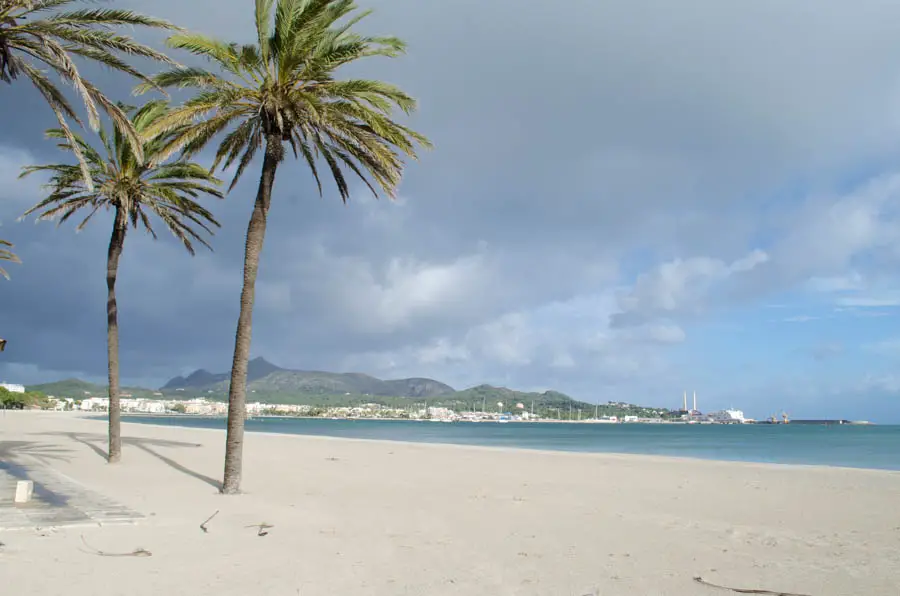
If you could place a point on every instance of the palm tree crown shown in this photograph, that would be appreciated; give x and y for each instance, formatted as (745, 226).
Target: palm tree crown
(123, 182)
(29, 37)
(284, 89)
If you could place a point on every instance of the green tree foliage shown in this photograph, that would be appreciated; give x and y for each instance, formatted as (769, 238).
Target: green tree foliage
(10, 400)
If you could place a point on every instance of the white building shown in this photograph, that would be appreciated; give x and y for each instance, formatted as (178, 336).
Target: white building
(728, 417)
(13, 387)
(143, 406)
(95, 403)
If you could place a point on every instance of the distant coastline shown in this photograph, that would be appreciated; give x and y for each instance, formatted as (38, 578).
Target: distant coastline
(799, 422)
(852, 446)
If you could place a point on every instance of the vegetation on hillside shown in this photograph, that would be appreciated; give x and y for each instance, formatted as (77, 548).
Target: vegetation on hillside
(10, 400)
(549, 404)
(78, 389)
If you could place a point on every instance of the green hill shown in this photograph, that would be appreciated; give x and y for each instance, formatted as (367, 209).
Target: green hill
(78, 389)
(548, 404)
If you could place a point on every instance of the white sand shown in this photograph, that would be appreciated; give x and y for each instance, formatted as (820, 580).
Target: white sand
(382, 518)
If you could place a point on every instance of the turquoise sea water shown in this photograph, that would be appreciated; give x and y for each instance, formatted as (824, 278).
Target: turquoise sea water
(850, 446)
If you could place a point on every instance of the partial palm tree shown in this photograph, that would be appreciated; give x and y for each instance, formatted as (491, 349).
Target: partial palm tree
(35, 33)
(7, 255)
(283, 91)
(133, 189)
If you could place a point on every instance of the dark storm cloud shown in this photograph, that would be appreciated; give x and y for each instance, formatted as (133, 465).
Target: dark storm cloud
(576, 148)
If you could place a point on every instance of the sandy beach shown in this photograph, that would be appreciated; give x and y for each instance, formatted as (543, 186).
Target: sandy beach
(384, 518)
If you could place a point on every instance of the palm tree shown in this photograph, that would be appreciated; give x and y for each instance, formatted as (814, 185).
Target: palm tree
(7, 255)
(29, 37)
(282, 90)
(133, 190)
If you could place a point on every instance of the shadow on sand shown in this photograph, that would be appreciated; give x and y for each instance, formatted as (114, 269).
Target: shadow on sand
(94, 442)
(13, 464)
(11, 450)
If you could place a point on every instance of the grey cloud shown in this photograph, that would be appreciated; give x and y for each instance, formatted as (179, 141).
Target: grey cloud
(570, 143)
(679, 287)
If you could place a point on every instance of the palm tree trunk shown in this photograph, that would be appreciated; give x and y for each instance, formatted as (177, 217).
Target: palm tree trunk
(237, 392)
(116, 241)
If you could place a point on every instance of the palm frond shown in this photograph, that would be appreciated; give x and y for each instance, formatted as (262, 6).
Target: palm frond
(106, 17)
(7, 255)
(182, 78)
(97, 39)
(202, 45)
(119, 180)
(263, 15)
(284, 90)
(36, 33)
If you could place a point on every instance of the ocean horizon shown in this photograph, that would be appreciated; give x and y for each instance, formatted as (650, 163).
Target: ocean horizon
(868, 446)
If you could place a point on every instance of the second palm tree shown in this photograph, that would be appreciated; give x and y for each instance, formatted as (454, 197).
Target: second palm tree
(132, 189)
(280, 91)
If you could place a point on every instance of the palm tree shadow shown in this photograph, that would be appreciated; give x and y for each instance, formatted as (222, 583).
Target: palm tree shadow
(14, 456)
(98, 450)
(89, 440)
(9, 450)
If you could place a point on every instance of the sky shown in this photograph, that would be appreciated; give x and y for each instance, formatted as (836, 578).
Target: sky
(625, 201)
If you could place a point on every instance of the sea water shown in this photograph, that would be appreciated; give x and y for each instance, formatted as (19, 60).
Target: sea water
(854, 446)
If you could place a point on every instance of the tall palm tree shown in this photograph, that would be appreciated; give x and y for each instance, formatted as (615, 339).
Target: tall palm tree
(282, 90)
(29, 38)
(133, 189)
(7, 255)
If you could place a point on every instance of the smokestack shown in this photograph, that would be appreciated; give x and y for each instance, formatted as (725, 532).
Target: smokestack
(695, 400)
(685, 402)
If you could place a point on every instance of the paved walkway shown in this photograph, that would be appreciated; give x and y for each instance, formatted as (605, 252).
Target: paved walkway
(58, 501)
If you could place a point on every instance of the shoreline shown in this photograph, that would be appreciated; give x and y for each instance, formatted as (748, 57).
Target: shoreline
(656, 458)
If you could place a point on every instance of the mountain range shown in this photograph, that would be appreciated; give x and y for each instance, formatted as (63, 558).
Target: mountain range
(270, 383)
(266, 377)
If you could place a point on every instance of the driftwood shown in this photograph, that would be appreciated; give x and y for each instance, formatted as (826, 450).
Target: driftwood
(208, 519)
(702, 581)
(261, 528)
(138, 552)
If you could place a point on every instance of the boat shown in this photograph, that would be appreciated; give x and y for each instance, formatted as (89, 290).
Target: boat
(604, 420)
